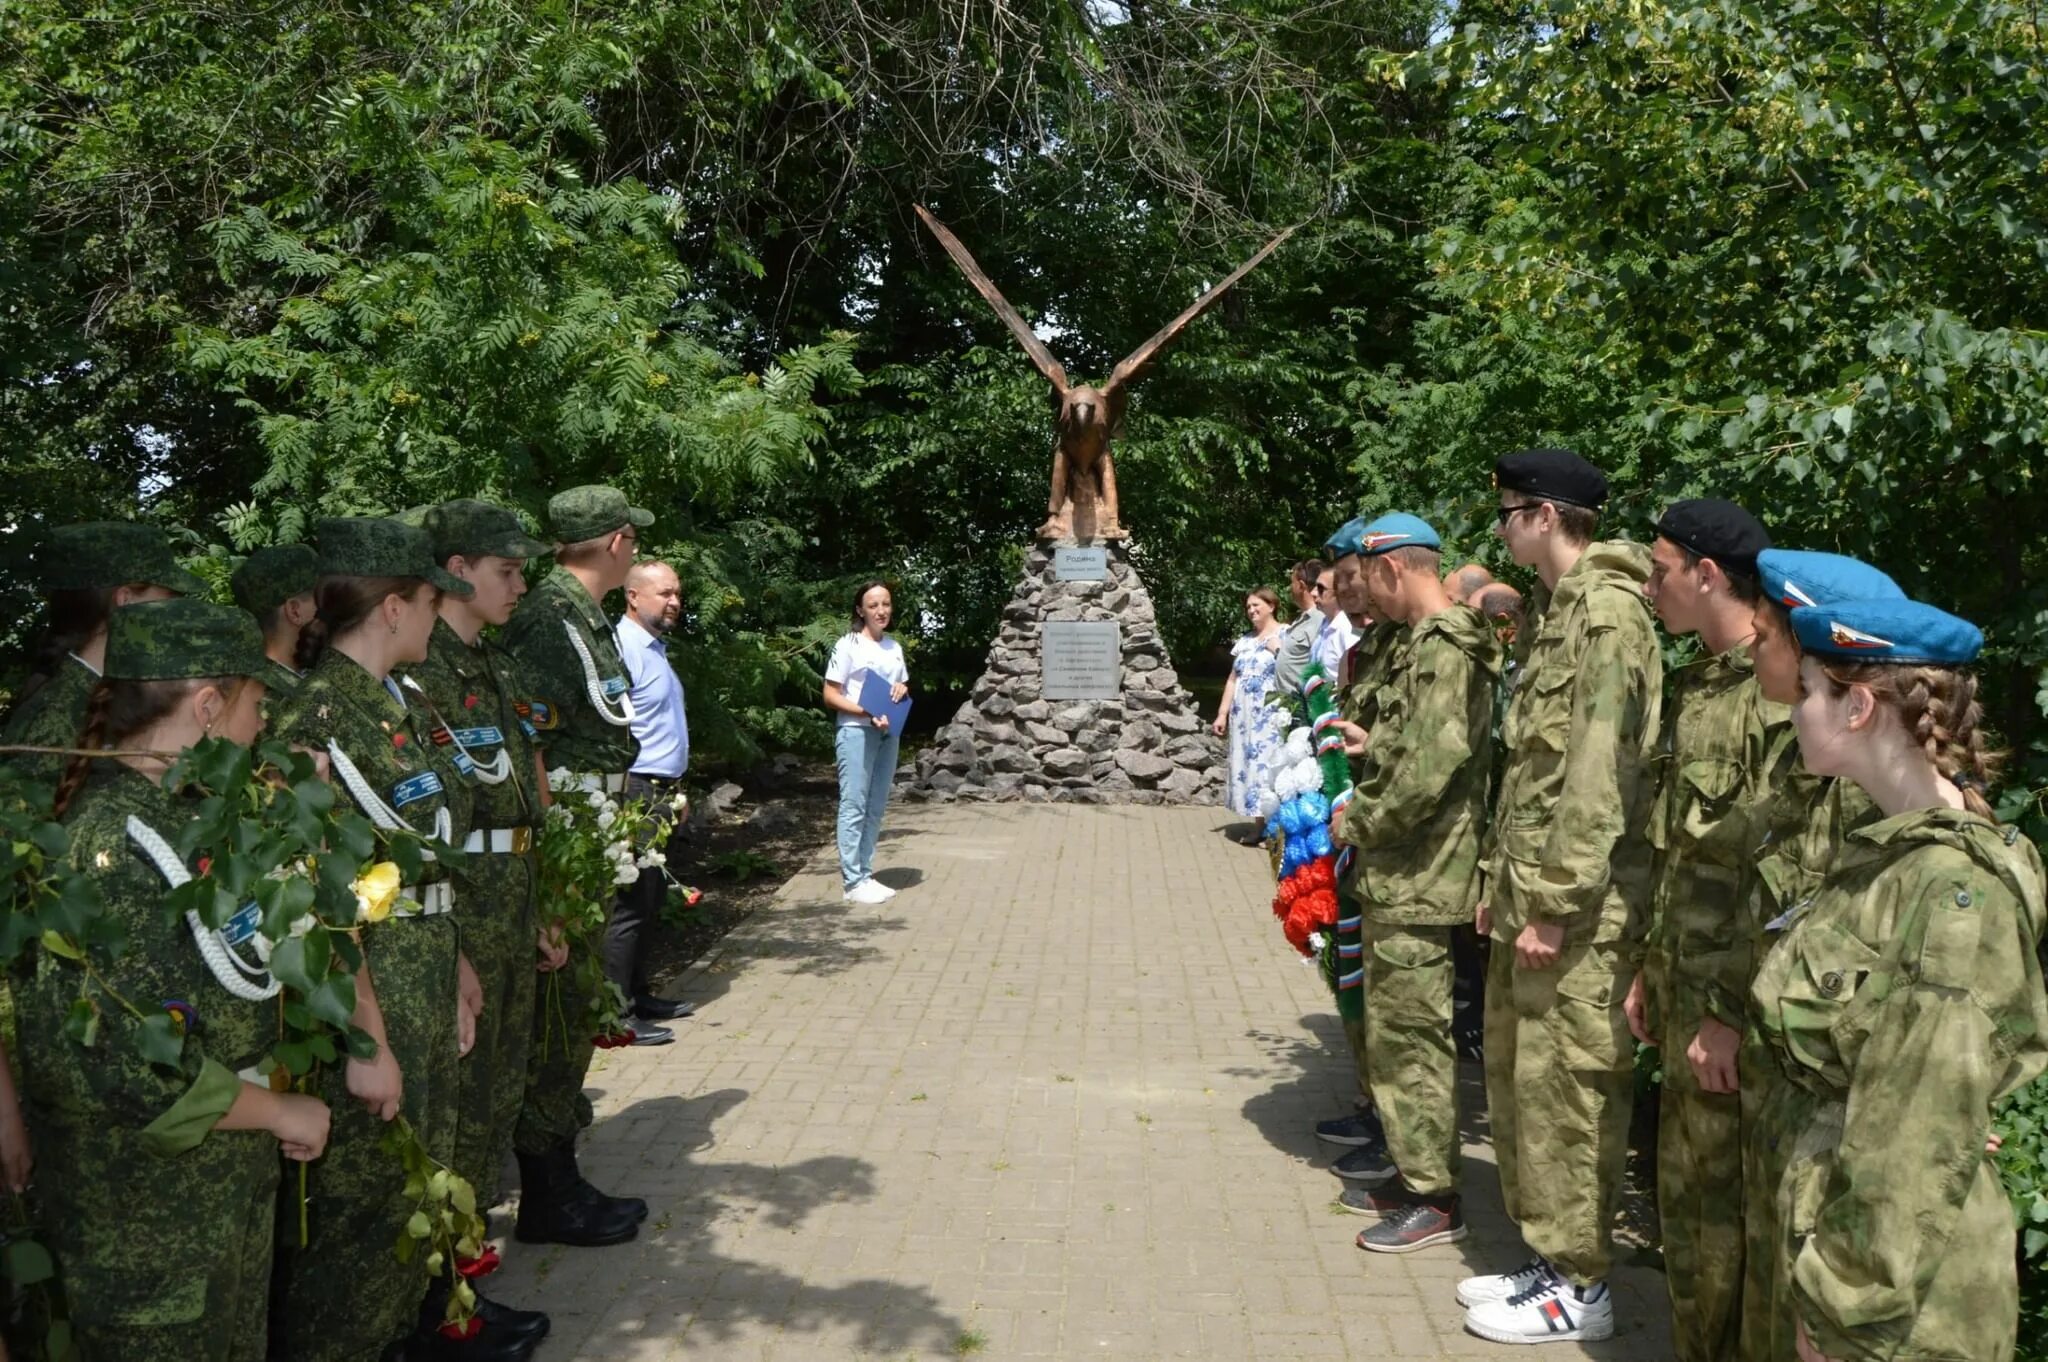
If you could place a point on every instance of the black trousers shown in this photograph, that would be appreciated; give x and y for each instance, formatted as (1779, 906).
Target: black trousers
(639, 904)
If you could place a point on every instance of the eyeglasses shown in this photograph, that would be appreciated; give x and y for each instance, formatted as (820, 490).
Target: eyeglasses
(1500, 517)
(1316, 590)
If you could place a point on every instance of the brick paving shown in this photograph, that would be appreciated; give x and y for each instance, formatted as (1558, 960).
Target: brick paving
(1053, 1101)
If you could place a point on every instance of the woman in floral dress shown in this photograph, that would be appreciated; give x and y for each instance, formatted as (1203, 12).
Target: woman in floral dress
(1256, 729)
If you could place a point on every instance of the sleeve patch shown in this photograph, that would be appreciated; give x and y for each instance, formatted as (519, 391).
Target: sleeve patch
(1948, 957)
(413, 789)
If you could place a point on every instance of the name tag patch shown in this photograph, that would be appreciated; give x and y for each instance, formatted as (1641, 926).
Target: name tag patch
(242, 925)
(614, 686)
(488, 736)
(413, 789)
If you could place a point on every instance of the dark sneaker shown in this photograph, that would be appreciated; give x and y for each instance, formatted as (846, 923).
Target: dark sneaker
(1416, 1226)
(1360, 1127)
(647, 1033)
(1376, 1201)
(1371, 1164)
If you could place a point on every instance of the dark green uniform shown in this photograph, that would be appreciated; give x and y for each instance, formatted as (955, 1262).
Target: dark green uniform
(50, 717)
(472, 711)
(346, 1296)
(160, 1223)
(576, 708)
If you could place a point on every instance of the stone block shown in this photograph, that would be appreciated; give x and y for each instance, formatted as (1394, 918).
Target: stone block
(1008, 762)
(1046, 735)
(1065, 761)
(1177, 720)
(1073, 716)
(1115, 782)
(1140, 734)
(1145, 766)
(1182, 785)
(997, 707)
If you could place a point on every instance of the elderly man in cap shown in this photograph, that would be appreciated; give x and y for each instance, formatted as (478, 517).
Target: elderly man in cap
(1689, 998)
(1566, 890)
(88, 571)
(275, 586)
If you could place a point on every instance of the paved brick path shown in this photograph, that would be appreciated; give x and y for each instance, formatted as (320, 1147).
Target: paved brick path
(1053, 1101)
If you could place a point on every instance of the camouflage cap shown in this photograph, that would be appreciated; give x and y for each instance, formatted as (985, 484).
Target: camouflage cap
(375, 546)
(109, 553)
(586, 512)
(271, 576)
(477, 529)
(178, 639)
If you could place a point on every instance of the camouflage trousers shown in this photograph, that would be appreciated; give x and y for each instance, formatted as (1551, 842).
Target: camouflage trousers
(1699, 1201)
(344, 1296)
(1410, 1054)
(554, 1109)
(494, 908)
(1559, 1090)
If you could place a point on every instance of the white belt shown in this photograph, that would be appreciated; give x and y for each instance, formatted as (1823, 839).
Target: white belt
(433, 899)
(502, 841)
(599, 782)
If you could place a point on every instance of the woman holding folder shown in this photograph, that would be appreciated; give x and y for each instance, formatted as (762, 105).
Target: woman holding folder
(866, 682)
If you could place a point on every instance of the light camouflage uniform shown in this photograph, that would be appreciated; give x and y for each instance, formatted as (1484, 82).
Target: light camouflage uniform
(1375, 662)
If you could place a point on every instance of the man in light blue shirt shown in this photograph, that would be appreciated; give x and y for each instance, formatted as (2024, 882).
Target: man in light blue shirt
(654, 601)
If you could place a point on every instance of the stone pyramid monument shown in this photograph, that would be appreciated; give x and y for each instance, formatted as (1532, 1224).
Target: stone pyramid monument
(1079, 702)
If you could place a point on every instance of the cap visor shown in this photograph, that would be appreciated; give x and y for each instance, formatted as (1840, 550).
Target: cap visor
(184, 583)
(452, 585)
(524, 546)
(640, 516)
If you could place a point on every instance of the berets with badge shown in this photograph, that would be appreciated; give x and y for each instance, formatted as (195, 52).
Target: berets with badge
(1904, 631)
(586, 512)
(1397, 531)
(467, 528)
(374, 546)
(180, 639)
(1797, 577)
(271, 576)
(1347, 539)
(1709, 527)
(100, 554)
(1551, 475)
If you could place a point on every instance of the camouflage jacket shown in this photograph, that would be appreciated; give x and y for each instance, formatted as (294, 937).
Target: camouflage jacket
(1375, 659)
(165, 1110)
(1580, 731)
(281, 680)
(574, 732)
(473, 716)
(1908, 993)
(1719, 733)
(50, 717)
(1420, 811)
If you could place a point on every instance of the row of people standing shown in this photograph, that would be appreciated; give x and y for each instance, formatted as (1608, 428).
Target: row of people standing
(1778, 865)
(157, 1189)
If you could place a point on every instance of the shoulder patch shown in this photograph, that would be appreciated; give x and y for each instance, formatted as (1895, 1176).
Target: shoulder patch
(413, 789)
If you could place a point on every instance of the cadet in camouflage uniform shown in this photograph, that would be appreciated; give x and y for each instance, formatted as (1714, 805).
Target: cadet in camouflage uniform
(1567, 885)
(1688, 1001)
(345, 1297)
(568, 657)
(1415, 826)
(1903, 1000)
(157, 1183)
(1802, 824)
(275, 585)
(88, 571)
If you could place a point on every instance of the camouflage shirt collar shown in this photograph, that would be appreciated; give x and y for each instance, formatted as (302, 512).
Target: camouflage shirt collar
(1736, 662)
(579, 599)
(1944, 825)
(347, 680)
(448, 648)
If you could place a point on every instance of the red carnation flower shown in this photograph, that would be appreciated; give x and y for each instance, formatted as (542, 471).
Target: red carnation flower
(467, 1329)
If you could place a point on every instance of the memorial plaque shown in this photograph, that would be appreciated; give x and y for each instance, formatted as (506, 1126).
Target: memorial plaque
(1082, 660)
(1080, 565)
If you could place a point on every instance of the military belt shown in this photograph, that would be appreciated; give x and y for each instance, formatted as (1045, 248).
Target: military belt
(433, 899)
(499, 841)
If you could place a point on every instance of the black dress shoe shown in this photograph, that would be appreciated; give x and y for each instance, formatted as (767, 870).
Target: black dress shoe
(647, 1033)
(647, 1007)
(510, 1320)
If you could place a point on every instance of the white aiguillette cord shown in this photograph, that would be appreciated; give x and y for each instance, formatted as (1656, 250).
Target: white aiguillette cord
(251, 982)
(376, 810)
(492, 772)
(617, 718)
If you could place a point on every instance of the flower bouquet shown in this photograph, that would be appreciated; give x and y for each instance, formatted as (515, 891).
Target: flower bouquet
(1313, 783)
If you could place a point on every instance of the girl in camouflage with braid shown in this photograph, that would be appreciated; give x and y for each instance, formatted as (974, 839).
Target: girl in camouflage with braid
(1902, 1000)
(344, 1296)
(158, 1182)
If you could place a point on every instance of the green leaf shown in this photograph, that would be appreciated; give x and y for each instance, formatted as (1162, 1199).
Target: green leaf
(161, 1039)
(25, 1262)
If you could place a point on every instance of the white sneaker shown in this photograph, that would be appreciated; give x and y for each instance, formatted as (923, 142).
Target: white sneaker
(1552, 1311)
(1500, 1286)
(867, 891)
(887, 892)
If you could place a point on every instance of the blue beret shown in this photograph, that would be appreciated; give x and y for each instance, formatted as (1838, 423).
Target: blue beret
(1348, 539)
(1796, 577)
(1887, 631)
(1398, 531)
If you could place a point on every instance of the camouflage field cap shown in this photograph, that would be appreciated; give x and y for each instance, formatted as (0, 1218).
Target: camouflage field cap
(375, 546)
(586, 512)
(477, 529)
(271, 576)
(109, 553)
(178, 639)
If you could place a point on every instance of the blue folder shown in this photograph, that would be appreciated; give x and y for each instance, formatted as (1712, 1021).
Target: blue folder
(874, 698)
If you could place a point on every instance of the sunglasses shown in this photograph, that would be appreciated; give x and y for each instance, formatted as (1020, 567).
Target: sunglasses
(1500, 517)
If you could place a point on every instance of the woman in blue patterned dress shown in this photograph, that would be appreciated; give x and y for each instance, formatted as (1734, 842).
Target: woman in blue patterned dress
(1256, 729)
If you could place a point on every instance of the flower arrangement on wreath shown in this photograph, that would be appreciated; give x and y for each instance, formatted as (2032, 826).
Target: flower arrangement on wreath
(1311, 784)
(588, 853)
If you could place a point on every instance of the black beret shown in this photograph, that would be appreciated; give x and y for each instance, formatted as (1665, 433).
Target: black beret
(1551, 475)
(1716, 529)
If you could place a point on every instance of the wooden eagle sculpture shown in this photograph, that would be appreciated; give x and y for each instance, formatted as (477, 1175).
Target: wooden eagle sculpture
(1083, 503)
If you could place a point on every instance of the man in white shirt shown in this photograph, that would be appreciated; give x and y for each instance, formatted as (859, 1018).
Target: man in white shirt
(654, 601)
(1337, 634)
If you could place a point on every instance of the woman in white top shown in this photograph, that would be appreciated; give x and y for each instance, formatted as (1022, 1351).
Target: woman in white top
(866, 746)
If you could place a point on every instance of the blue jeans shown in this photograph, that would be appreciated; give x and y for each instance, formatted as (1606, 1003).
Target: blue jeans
(867, 765)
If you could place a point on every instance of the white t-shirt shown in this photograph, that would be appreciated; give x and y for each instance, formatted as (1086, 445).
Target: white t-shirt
(1335, 640)
(854, 656)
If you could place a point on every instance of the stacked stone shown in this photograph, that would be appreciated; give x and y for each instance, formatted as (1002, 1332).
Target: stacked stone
(1008, 742)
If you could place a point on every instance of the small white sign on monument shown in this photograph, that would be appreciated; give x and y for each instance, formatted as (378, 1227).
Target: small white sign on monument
(1080, 565)
(1081, 660)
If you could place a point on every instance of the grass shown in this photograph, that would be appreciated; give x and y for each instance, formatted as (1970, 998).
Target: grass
(969, 1342)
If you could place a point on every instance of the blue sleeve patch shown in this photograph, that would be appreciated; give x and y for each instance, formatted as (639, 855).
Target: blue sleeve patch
(614, 686)
(413, 789)
(528, 729)
(242, 925)
(488, 736)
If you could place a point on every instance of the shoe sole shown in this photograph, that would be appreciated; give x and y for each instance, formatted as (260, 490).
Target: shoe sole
(1592, 1335)
(1427, 1241)
(1354, 1210)
(1378, 1177)
(1347, 1141)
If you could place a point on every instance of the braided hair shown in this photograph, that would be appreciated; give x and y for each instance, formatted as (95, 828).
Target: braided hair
(75, 615)
(1939, 709)
(115, 712)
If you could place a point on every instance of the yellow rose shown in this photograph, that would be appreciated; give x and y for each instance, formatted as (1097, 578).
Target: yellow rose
(376, 892)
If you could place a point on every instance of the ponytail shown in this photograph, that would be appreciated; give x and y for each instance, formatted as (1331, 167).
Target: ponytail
(92, 732)
(341, 603)
(1939, 709)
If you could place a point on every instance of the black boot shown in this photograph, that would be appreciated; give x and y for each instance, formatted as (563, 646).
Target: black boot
(505, 1319)
(558, 1207)
(632, 1205)
(487, 1344)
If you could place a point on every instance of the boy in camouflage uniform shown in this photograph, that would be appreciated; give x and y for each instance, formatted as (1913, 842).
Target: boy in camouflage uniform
(1688, 1000)
(1415, 825)
(568, 660)
(275, 585)
(1566, 888)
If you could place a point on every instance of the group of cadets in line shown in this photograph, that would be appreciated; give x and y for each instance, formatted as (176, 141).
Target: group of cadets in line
(1778, 865)
(157, 1189)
